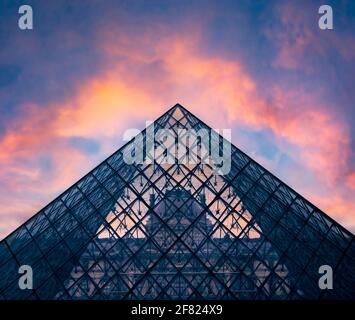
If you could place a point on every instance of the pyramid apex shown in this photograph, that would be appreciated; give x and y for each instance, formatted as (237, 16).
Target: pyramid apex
(177, 110)
(178, 106)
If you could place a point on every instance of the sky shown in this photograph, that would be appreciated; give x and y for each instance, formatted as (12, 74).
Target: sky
(89, 70)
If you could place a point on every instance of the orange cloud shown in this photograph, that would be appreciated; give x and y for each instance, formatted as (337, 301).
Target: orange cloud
(102, 107)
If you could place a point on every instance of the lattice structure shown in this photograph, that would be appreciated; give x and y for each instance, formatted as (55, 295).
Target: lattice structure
(178, 231)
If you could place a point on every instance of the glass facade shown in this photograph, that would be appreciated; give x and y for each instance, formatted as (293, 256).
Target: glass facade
(158, 230)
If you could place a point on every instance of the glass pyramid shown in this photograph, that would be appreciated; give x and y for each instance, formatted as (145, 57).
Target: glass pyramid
(178, 231)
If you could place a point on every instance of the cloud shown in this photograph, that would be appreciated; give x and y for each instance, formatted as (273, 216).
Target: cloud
(144, 73)
(340, 208)
(351, 180)
(323, 143)
(301, 44)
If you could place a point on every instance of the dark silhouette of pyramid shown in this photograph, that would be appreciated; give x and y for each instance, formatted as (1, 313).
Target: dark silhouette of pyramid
(178, 231)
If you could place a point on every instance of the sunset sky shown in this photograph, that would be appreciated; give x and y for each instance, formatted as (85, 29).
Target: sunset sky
(92, 69)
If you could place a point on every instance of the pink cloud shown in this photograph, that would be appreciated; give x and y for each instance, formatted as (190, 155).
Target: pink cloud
(338, 207)
(351, 180)
(324, 142)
